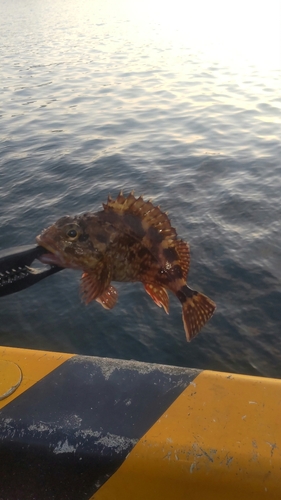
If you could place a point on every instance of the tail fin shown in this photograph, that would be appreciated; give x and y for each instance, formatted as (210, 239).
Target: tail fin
(197, 309)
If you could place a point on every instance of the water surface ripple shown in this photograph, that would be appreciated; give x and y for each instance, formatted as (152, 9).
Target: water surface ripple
(95, 100)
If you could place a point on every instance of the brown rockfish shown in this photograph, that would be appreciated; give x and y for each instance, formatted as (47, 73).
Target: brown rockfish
(129, 240)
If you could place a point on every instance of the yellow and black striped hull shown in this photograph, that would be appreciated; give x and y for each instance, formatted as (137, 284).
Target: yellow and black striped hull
(78, 427)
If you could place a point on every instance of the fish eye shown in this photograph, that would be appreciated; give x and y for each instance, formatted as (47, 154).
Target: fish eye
(72, 233)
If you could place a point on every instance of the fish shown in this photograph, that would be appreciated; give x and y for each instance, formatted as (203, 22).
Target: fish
(130, 240)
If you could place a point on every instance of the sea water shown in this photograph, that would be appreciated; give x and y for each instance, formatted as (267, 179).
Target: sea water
(179, 101)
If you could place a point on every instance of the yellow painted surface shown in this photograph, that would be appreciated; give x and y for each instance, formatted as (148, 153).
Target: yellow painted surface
(220, 439)
(34, 365)
(10, 378)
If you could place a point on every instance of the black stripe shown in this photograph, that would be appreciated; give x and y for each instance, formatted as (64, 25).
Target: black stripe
(170, 254)
(184, 293)
(65, 436)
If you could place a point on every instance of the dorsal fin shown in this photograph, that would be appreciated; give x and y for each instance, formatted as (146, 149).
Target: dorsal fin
(151, 216)
(183, 252)
(152, 228)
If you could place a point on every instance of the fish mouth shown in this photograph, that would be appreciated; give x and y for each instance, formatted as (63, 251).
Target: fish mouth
(52, 260)
(52, 257)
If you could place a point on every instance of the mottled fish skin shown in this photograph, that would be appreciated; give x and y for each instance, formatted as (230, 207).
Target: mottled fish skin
(129, 240)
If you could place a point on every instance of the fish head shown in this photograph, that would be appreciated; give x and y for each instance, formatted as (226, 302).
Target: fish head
(71, 242)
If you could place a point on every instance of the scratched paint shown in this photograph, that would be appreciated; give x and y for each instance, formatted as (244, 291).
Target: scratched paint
(220, 438)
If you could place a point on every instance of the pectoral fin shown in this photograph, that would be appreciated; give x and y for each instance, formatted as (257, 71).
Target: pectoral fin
(91, 287)
(158, 294)
(94, 283)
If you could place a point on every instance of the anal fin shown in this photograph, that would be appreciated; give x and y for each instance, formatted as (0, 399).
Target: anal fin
(158, 294)
(108, 298)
